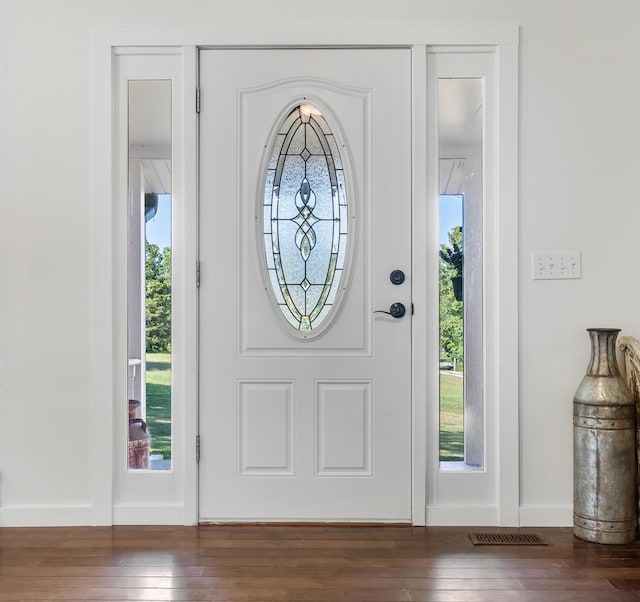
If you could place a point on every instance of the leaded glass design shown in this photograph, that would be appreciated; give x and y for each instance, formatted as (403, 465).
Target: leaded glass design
(305, 218)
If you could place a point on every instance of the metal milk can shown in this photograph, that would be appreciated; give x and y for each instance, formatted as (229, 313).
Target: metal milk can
(604, 432)
(138, 444)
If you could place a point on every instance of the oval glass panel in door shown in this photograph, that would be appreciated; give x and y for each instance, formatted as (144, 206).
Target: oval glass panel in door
(305, 219)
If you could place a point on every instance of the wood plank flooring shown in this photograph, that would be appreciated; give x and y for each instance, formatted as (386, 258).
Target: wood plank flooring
(326, 563)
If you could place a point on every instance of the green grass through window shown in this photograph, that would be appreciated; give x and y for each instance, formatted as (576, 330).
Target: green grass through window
(451, 418)
(159, 403)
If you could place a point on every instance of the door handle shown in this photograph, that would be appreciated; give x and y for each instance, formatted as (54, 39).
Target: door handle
(397, 310)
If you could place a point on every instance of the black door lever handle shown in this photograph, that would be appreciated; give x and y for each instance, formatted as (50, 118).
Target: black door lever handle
(397, 310)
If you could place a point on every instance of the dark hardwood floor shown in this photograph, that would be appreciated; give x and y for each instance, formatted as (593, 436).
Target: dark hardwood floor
(264, 562)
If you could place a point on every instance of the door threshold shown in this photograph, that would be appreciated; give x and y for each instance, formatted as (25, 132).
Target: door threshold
(289, 523)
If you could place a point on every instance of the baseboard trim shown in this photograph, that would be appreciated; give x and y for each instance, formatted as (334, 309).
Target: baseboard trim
(81, 515)
(546, 516)
(462, 516)
(76, 515)
(145, 514)
(529, 516)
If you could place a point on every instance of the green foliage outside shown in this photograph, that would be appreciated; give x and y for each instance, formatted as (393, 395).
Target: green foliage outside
(158, 347)
(452, 346)
(158, 293)
(159, 403)
(451, 418)
(451, 314)
(452, 254)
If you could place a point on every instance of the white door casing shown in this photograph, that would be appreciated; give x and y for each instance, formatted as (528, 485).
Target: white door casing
(108, 323)
(295, 429)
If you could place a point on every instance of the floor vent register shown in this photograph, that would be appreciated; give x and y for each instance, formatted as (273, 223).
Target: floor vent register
(507, 539)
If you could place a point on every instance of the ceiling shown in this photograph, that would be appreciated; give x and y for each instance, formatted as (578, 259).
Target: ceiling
(150, 118)
(150, 132)
(459, 114)
(460, 122)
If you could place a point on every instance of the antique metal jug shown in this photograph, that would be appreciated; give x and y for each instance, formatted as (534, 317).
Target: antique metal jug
(138, 444)
(604, 430)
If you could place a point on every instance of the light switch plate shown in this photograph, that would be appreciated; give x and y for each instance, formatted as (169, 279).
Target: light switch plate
(562, 265)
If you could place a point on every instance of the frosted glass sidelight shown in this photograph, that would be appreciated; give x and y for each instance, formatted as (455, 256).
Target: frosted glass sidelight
(305, 218)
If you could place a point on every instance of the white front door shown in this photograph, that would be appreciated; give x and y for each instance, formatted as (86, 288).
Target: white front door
(305, 391)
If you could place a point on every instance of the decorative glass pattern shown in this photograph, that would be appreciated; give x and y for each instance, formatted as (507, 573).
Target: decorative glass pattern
(305, 218)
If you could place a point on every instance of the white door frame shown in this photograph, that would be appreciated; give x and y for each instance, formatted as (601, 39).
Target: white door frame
(108, 309)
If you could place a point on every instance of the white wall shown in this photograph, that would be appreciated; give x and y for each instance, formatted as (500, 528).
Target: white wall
(578, 156)
(579, 132)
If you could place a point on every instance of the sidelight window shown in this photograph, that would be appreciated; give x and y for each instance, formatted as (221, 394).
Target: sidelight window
(149, 275)
(460, 127)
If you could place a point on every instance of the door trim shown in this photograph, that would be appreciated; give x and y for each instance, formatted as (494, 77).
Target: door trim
(106, 315)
